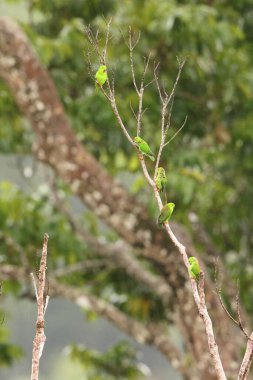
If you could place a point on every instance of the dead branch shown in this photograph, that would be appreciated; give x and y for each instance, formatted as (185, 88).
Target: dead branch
(200, 302)
(40, 337)
(247, 360)
(166, 100)
(177, 132)
(238, 321)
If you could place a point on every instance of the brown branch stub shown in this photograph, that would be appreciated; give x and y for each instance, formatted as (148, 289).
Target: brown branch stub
(40, 337)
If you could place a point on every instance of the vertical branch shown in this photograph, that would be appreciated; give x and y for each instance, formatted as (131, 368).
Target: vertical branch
(131, 47)
(40, 337)
(165, 101)
(140, 94)
(106, 40)
(246, 363)
(139, 90)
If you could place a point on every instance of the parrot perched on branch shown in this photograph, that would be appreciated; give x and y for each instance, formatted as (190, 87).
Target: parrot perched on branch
(161, 179)
(166, 213)
(144, 148)
(194, 268)
(101, 75)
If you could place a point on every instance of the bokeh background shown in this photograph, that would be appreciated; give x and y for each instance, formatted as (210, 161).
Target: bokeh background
(209, 166)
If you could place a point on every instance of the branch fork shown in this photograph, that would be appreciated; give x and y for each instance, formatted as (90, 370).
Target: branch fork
(166, 100)
(40, 337)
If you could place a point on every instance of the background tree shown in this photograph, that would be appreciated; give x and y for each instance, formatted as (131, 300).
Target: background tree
(208, 166)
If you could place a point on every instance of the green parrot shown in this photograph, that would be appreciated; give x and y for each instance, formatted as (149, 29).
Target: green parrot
(101, 75)
(161, 179)
(194, 268)
(144, 148)
(166, 213)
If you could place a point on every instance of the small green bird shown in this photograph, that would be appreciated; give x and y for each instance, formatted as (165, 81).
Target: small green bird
(161, 179)
(144, 148)
(194, 268)
(101, 75)
(166, 213)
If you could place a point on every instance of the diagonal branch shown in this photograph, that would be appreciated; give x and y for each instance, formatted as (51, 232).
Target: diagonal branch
(238, 321)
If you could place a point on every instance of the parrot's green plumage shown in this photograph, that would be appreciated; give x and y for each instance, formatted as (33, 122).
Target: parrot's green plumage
(161, 179)
(144, 148)
(101, 75)
(166, 213)
(194, 268)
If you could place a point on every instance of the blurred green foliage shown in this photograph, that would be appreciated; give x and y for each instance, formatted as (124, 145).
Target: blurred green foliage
(8, 352)
(118, 362)
(209, 164)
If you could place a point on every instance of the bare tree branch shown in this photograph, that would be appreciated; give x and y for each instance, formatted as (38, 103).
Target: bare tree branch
(40, 337)
(200, 301)
(177, 132)
(106, 39)
(165, 101)
(247, 360)
(131, 47)
(238, 321)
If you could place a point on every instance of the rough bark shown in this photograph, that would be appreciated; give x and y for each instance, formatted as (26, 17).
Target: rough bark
(57, 145)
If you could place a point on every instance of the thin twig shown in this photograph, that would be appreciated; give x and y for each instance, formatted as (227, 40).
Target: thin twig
(176, 133)
(157, 81)
(165, 101)
(106, 40)
(133, 112)
(139, 90)
(238, 321)
(46, 304)
(131, 49)
(34, 286)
